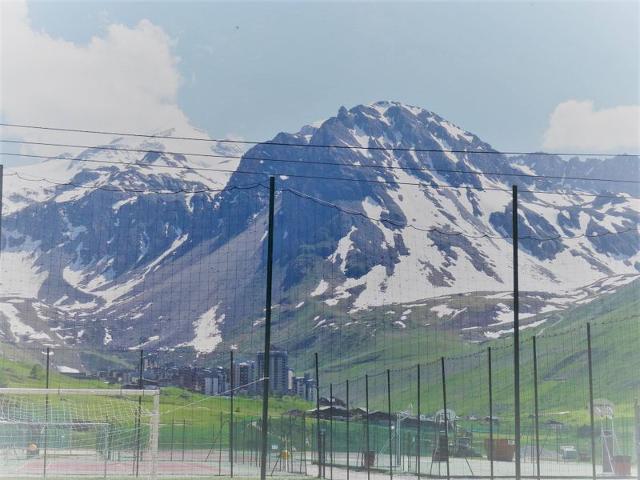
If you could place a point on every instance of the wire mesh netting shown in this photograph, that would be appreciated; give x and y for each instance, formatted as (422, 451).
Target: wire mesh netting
(392, 346)
(53, 432)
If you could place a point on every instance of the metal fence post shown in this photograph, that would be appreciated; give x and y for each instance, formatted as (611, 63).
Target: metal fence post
(331, 430)
(419, 426)
(446, 420)
(290, 449)
(591, 413)
(319, 447)
(637, 417)
(536, 409)
(173, 420)
(231, 383)
(348, 418)
(107, 447)
(139, 413)
(516, 331)
(490, 414)
(267, 333)
(184, 436)
(46, 414)
(244, 437)
(366, 397)
(304, 441)
(389, 424)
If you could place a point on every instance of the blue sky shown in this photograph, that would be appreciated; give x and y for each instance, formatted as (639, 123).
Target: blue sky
(521, 75)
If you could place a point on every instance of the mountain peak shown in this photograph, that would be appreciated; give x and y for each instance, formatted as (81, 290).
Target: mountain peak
(117, 254)
(389, 124)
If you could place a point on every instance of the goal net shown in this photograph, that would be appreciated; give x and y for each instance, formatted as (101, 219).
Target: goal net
(93, 432)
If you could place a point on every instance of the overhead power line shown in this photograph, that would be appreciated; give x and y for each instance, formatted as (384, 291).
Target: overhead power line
(381, 220)
(441, 231)
(266, 174)
(434, 185)
(318, 162)
(307, 145)
(104, 187)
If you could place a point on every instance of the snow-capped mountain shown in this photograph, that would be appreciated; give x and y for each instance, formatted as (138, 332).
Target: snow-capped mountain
(170, 260)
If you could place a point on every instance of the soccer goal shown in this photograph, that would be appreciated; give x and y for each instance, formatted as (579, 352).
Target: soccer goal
(85, 432)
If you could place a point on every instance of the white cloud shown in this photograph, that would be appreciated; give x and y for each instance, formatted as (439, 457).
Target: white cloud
(577, 125)
(124, 80)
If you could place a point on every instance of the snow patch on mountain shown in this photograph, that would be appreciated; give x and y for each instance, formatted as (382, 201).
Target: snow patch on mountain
(344, 246)
(20, 276)
(207, 331)
(320, 288)
(18, 329)
(444, 310)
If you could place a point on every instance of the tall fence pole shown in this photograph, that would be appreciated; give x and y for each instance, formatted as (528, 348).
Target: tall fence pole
(366, 405)
(106, 447)
(516, 331)
(418, 439)
(348, 418)
(591, 406)
(232, 386)
(46, 413)
(637, 417)
(267, 333)
(304, 442)
(446, 419)
(389, 424)
(318, 434)
(290, 445)
(490, 414)
(331, 430)
(536, 413)
(173, 421)
(244, 438)
(139, 412)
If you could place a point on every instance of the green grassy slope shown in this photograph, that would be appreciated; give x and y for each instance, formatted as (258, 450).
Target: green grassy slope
(562, 370)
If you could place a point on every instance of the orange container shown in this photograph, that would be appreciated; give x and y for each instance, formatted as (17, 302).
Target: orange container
(622, 465)
(503, 449)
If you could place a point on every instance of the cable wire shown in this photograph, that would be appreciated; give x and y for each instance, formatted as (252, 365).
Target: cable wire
(319, 162)
(321, 177)
(136, 190)
(460, 233)
(308, 145)
(325, 203)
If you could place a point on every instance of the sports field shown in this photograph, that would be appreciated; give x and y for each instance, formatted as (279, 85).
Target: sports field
(200, 464)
